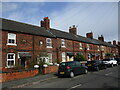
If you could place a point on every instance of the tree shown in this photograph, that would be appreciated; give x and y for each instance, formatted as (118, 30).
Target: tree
(109, 55)
(79, 57)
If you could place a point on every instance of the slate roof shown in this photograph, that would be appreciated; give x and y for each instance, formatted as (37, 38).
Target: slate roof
(62, 34)
(70, 36)
(10, 25)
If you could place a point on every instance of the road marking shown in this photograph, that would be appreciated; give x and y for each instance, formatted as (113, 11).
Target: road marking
(75, 86)
(108, 73)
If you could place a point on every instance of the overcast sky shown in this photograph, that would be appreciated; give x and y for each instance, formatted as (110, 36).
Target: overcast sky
(99, 17)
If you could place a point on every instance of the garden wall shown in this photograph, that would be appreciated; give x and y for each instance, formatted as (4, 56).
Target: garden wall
(17, 75)
(50, 69)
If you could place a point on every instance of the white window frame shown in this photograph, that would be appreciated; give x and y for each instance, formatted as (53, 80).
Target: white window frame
(102, 48)
(49, 46)
(14, 38)
(63, 57)
(50, 57)
(81, 46)
(98, 48)
(62, 42)
(11, 59)
(88, 47)
(116, 50)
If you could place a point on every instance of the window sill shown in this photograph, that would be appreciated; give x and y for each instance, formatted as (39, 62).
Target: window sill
(49, 47)
(11, 44)
(10, 67)
(63, 46)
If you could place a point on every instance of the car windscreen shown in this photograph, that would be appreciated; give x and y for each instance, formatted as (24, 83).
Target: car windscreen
(67, 64)
(63, 64)
(106, 59)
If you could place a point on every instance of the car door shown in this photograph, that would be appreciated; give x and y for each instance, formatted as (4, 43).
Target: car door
(101, 64)
(79, 68)
(98, 64)
(73, 67)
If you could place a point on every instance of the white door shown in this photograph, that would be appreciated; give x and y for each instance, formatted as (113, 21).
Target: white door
(63, 57)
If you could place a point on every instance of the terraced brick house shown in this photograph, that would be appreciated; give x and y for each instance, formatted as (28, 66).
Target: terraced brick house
(24, 44)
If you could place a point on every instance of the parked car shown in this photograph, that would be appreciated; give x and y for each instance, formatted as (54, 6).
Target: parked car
(110, 62)
(71, 69)
(118, 60)
(95, 65)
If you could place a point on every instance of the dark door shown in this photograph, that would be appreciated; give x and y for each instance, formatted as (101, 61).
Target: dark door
(23, 61)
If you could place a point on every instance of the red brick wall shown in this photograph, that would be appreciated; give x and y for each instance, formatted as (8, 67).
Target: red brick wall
(50, 69)
(17, 75)
(25, 44)
(23, 41)
(69, 45)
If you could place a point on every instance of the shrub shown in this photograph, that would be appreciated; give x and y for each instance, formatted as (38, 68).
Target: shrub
(79, 57)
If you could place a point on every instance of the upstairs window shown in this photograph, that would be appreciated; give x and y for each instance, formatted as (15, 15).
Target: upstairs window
(62, 43)
(49, 43)
(10, 59)
(11, 39)
(80, 45)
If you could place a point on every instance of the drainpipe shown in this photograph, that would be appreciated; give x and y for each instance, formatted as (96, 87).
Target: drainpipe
(33, 48)
(73, 48)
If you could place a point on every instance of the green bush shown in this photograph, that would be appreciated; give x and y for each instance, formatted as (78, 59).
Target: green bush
(79, 57)
(57, 61)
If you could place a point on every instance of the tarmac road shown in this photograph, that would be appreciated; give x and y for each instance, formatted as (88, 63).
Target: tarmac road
(107, 78)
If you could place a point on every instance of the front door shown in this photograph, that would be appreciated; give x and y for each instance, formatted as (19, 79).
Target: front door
(23, 61)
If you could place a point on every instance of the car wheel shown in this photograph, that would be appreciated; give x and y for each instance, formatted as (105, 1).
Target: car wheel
(111, 65)
(117, 64)
(86, 71)
(71, 74)
(97, 68)
(105, 67)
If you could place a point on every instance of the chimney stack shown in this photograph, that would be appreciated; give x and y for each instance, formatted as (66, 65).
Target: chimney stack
(118, 43)
(89, 35)
(109, 42)
(73, 30)
(101, 38)
(45, 23)
(114, 42)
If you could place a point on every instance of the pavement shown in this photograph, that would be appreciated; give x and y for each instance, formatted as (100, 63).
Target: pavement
(106, 79)
(27, 81)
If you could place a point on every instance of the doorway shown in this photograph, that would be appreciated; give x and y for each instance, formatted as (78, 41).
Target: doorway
(23, 59)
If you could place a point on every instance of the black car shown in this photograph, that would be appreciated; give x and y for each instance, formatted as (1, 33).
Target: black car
(118, 60)
(71, 68)
(95, 65)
